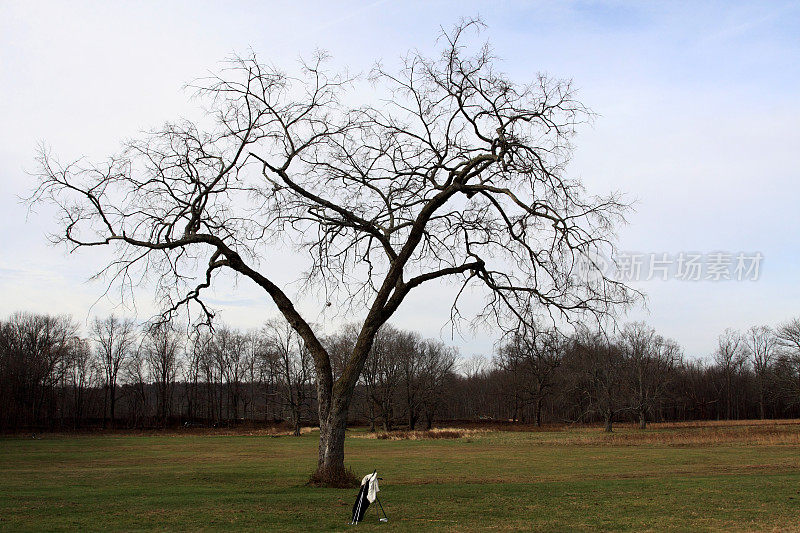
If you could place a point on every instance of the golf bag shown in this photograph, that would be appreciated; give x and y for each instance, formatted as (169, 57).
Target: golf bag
(367, 493)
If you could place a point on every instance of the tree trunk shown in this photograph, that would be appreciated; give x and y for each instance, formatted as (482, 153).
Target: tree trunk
(428, 420)
(333, 399)
(105, 406)
(372, 427)
(330, 464)
(539, 413)
(412, 419)
(609, 422)
(642, 419)
(113, 403)
(728, 397)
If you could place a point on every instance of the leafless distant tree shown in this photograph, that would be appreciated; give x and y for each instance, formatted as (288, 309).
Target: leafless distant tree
(83, 375)
(411, 352)
(137, 376)
(789, 343)
(730, 357)
(599, 365)
(533, 355)
(382, 375)
(228, 347)
(789, 337)
(651, 358)
(474, 366)
(35, 354)
(403, 377)
(436, 370)
(456, 172)
(476, 388)
(162, 348)
(340, 346)
(192, 375)
(760, 343)
(253, 371)
(294, 368)
(115, 340)
(267, 368)
(211, 375)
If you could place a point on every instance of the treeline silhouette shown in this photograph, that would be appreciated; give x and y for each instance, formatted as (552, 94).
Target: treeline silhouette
(124, 375)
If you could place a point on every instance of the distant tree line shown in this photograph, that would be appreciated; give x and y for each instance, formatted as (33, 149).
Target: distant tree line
(124, 375)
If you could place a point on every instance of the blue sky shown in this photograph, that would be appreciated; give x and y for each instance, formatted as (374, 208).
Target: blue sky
(698, 105)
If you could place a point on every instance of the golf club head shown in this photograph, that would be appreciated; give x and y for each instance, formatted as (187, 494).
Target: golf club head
(383, 519)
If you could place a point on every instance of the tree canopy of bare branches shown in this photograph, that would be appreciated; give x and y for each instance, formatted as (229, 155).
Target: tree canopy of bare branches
(459, 172)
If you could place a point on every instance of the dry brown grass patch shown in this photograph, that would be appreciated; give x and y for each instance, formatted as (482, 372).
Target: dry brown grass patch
(756, 433)
(428, 434)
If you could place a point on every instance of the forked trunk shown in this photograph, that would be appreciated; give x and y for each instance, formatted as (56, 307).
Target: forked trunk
(334, 402)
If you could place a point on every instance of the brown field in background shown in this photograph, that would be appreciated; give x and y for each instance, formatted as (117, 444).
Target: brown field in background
(694, 433)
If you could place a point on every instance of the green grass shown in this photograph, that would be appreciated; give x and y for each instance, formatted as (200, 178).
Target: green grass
(577, 479)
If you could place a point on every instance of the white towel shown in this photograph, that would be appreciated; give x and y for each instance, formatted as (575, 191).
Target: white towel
(372, 489)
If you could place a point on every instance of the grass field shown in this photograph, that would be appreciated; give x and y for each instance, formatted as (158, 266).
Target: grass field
(742, 476)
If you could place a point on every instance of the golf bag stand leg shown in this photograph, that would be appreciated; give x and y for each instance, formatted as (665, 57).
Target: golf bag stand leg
(385, 518)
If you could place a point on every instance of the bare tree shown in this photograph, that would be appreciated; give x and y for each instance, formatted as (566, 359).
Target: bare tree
(788, 337)
(760, 343)
(599, 365)
(533, 355)
(136, 377)
(437, 362)
(730, 357)
(83, 375)
(192, 375)
(476, 387)
(409, 351)
(228, 347)
(162, 346)
(252, 372)
(35, 351)
(514, 385)
(383, 373)
(458, 172)
(212, 375)
(114, 339)
(293, 366)
(266, 361)
(651, 358)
